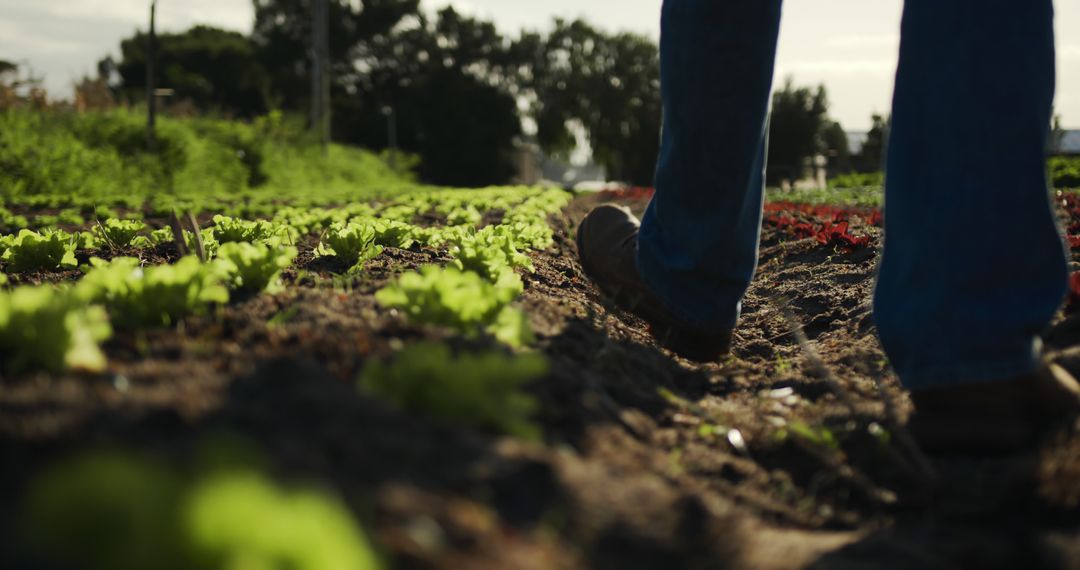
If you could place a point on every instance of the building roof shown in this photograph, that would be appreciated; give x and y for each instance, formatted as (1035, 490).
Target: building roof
(1070, 143)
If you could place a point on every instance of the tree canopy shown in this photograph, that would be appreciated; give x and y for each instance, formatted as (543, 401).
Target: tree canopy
(455, 90)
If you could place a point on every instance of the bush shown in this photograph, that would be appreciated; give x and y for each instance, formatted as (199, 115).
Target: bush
(98, 155)
(1064, 172)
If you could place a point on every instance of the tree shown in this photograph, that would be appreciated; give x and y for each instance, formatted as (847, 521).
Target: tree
(796, 131)
(835, 141)
(217, 70)
(872, 156)
(608, 82)
(448, 83)
(282, 35)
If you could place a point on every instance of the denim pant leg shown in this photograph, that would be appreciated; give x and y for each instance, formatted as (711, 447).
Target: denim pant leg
(973, 267)
(698, 245)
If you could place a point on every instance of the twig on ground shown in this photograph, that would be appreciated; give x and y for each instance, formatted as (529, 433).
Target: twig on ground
(917, 464)
(178, 234)
(201, 252)
(892, 419)
(105, 235)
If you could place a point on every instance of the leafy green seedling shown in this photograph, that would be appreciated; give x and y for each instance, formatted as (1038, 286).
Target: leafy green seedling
(229, 230)
(392, 233)
(491, 252)
(301, 529)
(51, 328)
(119, 233)
(353, 243)
(464, 301)
(10, 221)
(484, 390)
(113, 511)
(153, 296)
(253, 268)
(31, 251)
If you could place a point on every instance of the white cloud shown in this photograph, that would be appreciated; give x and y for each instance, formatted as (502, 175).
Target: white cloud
(15, 39)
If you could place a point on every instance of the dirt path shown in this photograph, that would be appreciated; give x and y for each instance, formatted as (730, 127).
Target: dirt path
(648, 462)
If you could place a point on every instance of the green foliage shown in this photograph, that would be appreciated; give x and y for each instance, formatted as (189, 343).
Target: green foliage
(353, 243)
(244, 520)
(119, 233)
(112, 511)
(214, 69)
(101, 156)
(1064, 172)
(392, 233)
(227, 229)
(51, 328)
(797, 126)
(253, 268)
(106, 512)
(10, 221)
(153, 296)
(607, 83)
(865, 197)
(858, 180)
(463, 301)
(490, 252)
(483, 390)
(820, 435)
(871, 157)
(31, 251)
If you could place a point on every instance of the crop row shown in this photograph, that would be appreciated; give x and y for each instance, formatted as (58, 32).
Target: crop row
(61, 326)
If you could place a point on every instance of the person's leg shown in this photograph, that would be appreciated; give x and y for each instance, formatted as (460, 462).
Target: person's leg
(697, 249)
(973, 266)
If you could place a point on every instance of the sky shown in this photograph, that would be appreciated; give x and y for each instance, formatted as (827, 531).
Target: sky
(847, 45)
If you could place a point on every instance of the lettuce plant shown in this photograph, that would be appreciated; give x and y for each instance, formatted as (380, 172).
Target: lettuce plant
(253, 268)
(392, 233)
(153, 296)
(31, 251)
(463, 301)
(115, 511)
(51, 328)
(118, 233)
(227, 230)
(467, 215)
(10, 221)
(352, 243)
(491, 252)
(484, 390)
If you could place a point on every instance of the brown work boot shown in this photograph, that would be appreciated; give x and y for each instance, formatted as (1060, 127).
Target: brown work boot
(996, 417)
(607, 246)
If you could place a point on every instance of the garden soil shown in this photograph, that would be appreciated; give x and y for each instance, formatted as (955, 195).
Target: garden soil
(788, 454)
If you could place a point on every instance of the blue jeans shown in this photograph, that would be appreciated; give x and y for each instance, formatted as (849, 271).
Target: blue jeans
(973, 267)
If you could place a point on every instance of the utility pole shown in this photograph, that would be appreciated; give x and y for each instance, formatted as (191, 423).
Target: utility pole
(391, 134)
(151, 91)
(320, 71)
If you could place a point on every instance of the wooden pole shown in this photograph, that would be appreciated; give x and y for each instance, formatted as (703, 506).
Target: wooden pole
(320, 71)
(151, 98)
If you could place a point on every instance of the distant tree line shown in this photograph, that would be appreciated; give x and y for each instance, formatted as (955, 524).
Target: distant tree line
(457, 89)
